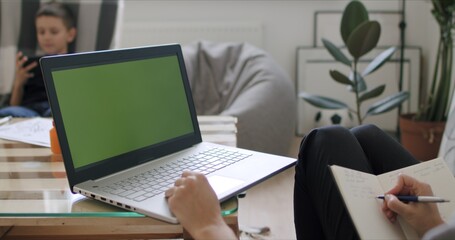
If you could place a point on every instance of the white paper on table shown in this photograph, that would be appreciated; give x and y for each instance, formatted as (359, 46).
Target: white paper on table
(34, 131)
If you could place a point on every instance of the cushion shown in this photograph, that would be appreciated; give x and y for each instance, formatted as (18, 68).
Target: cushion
(241, 80)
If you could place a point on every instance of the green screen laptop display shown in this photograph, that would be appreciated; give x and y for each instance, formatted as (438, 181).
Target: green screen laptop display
(115, 108)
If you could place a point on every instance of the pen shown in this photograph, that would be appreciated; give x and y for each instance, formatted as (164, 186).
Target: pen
(5, 120)
(418, 198)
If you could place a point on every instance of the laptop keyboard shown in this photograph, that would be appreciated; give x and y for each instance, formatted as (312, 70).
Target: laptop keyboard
(158, 180)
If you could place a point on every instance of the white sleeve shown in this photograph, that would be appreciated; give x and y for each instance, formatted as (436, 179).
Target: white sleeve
(444, 231)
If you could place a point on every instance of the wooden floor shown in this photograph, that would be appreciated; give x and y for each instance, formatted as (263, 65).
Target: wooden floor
(270, 204)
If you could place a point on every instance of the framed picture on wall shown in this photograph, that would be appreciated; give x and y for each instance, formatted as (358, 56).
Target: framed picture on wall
(313, 65)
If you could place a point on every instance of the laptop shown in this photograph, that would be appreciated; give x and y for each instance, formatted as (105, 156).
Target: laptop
(127, 128)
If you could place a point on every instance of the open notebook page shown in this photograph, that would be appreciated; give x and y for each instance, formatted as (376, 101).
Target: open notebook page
(359, 191)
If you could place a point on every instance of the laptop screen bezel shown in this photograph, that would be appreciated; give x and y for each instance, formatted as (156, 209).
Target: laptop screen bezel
(126, 160)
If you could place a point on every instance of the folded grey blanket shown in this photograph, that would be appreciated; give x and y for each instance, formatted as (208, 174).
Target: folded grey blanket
(240, 80)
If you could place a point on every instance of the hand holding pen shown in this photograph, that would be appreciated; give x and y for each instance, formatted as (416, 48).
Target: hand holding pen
(421, 216)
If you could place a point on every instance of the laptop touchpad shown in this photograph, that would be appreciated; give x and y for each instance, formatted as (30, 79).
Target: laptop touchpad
(222, 184)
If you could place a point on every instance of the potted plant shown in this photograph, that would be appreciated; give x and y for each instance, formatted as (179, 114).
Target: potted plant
(360, 35)
(421, 133)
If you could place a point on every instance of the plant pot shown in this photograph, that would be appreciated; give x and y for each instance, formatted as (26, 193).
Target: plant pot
(421, 138)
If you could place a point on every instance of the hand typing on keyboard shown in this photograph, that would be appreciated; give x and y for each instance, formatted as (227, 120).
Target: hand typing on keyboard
(194, 203)
(155, 181)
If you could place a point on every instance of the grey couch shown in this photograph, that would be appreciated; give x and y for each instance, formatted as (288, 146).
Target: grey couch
(239, 79)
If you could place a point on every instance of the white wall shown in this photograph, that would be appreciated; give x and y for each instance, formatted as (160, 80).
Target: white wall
(285, 24)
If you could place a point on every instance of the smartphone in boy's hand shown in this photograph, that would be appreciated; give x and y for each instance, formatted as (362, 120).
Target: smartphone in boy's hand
(36, 70)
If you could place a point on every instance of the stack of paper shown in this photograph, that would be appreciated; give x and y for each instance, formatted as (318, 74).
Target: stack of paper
(33, 131)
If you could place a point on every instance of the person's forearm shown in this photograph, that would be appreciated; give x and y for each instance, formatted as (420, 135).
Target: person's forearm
(430, 225)
(16, 95)
(219, 231)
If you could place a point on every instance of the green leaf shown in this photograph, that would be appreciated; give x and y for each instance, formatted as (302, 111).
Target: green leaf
(387, 104)
(363, 39)
(443, 6)
(361, 84)
(437, 5)
(354, 14)
(336, 53)
(341, 78)
(322, 102)
(372, 93)
(378, 61)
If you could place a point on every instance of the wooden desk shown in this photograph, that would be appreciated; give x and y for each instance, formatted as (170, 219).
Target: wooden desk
(35, 201)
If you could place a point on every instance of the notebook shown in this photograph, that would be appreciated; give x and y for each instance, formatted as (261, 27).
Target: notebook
(127, 128)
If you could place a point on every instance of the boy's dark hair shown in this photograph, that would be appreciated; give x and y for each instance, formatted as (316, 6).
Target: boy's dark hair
(55, 9)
